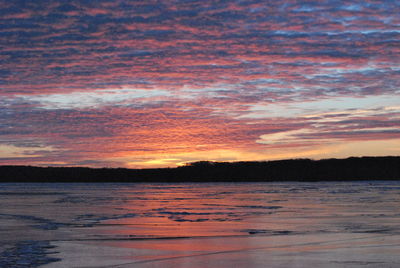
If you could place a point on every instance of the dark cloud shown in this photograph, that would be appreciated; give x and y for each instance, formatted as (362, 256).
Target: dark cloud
(143, 39)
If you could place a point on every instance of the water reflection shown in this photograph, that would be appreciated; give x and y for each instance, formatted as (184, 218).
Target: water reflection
(198, 225)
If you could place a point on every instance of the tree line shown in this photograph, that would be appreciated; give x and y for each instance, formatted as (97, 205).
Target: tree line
(353, 168)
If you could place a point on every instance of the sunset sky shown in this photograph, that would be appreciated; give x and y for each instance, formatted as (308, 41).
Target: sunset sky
(118, 83)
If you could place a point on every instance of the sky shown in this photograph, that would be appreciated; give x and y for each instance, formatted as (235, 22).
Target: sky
(160, 83)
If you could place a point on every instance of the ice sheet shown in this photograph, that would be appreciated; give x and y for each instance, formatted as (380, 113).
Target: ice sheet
(201, 225)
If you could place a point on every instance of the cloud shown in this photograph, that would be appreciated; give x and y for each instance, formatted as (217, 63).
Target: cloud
(129, 77)
(76, 46)
(90, 99)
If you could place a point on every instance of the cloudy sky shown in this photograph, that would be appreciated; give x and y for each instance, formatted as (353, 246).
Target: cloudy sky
(155, 83)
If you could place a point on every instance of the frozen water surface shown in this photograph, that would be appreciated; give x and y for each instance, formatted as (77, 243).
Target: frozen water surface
(291, 224)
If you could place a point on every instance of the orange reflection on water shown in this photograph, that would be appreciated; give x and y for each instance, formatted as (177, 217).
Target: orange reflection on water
(190, 225)
(176, 212)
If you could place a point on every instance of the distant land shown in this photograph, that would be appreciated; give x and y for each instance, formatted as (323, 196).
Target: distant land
(353, 168)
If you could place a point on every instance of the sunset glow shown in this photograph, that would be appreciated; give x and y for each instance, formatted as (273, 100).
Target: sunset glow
(118, 83)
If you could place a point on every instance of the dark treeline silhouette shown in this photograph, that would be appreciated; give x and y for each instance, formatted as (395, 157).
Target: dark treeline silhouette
(353, 168)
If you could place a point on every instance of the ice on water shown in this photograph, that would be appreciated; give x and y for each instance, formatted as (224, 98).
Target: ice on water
(291, 224)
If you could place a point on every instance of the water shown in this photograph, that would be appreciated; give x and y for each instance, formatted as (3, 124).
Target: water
(330, 224)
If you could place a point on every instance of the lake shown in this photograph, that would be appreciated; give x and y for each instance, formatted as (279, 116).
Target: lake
(291, 224)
